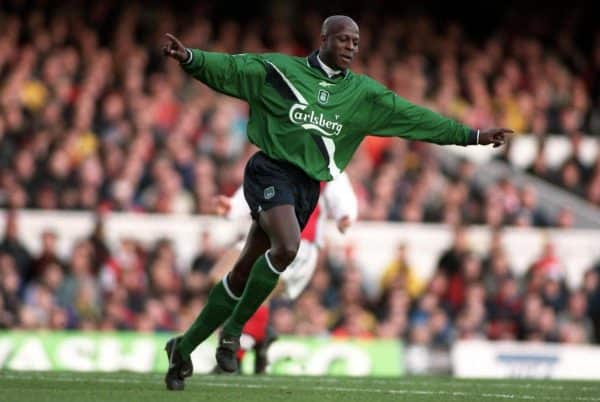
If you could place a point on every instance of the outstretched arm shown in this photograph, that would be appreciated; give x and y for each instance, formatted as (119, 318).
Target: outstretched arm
(240, 75)
(392, 115)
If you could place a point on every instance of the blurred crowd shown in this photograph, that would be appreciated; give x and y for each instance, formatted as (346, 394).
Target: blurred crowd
(469, 296)
(142, 288)
(92, 117)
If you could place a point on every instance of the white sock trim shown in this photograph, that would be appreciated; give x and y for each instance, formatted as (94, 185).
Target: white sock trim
(271, 266)
(229, 292)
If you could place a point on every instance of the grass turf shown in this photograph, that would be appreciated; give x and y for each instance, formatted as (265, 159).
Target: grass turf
(117, 387)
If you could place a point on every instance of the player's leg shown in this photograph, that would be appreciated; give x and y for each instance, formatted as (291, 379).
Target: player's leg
(219, 305)
(281, 198)
(281, 225)
(297, 276)
(295, 279)
(257, 332)
(226, 293)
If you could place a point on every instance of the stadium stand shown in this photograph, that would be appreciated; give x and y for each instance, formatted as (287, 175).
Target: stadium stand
(92, 119)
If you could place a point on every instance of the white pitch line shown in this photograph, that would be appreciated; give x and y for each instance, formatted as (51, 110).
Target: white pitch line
(318, 388)
(391, 381)
(395, 381)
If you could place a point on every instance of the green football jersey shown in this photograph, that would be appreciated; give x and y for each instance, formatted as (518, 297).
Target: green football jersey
(300, 115)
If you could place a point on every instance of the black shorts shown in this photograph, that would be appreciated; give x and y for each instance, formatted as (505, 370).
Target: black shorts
(269, 183)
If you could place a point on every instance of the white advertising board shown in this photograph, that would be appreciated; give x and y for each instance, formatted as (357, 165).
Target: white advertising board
(484, 359)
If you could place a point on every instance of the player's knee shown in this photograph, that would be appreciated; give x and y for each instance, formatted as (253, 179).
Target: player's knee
(283, 254)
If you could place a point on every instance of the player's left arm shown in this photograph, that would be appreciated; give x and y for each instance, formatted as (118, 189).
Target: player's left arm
(341, 202)
(392, 115)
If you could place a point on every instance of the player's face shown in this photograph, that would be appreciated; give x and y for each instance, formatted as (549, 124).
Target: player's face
(343, 46)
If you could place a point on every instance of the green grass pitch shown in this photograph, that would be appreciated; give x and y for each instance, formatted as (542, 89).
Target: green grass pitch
(128, 387)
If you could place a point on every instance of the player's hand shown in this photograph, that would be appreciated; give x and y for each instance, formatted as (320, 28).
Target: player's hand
(222, 205)
(175, 49)
(496, 136)
(344, 223)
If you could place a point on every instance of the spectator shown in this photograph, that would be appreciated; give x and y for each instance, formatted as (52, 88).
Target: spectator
(398, 273)
(47, 257)
(529, 213)
(574, 319)
(12, 246)
(50, 122)
(591, 288)
(450, 261)
(205, 260)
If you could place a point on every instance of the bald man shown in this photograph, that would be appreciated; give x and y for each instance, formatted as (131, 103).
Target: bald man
(308, 115)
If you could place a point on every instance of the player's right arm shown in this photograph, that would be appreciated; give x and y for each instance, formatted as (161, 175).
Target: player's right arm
(240, 75)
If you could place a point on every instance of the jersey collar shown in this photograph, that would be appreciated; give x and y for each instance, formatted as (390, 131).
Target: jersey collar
(315, 61)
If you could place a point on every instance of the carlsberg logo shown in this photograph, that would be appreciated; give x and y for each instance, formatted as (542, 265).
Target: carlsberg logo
(309, 120)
